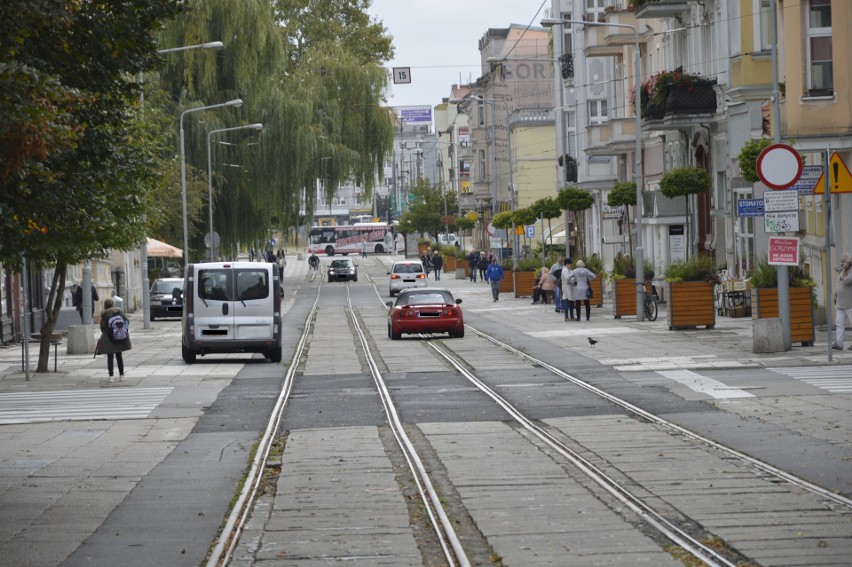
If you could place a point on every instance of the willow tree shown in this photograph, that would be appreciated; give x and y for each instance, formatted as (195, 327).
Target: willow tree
(312, 73)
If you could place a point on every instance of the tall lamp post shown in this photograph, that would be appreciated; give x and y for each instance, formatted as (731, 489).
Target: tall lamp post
(146, 290)
(256, 126)
(236, 102)
(493, 102)
(638, 172)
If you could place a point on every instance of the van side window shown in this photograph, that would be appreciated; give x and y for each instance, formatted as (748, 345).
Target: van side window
(214, 284)
(252, 284)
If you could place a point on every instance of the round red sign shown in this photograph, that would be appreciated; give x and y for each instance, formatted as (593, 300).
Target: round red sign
(779, 166)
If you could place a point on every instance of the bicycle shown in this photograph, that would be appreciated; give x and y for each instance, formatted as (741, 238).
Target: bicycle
(650, 302)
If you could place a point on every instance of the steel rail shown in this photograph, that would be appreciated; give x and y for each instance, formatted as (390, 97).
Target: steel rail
(763, 466)
(671, 531)
(442, 525)
(230, 534)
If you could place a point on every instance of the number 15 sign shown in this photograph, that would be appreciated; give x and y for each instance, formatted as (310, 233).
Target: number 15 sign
(402, 75)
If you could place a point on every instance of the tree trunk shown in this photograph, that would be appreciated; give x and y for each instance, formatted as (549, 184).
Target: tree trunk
(54, 304)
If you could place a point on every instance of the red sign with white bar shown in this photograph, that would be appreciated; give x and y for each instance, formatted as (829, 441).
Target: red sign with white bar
(783, 251)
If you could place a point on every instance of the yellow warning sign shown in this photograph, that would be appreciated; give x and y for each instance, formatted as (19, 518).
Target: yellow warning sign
(839, 178)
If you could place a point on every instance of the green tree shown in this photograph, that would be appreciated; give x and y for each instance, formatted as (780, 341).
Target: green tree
(548, 208)
(747, 158)
(624, 195)
(576, 200)
(524, 217)
(78, 184)
(313, 72)
(426, 213)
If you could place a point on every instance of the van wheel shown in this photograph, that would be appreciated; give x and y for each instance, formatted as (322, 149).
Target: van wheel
(274, 355)
(380, 249)
(188, 355)
(329, 251)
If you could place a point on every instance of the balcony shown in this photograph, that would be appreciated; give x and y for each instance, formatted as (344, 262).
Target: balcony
(647, 9)
(615, 137)
(674, 99)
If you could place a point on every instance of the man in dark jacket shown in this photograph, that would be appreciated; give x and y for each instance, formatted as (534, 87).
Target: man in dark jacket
(473, 264)
(78, 300)
(437, 264)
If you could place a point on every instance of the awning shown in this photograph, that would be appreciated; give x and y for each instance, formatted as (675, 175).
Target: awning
(159, 249)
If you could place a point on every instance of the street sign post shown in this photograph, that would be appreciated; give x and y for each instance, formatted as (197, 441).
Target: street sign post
(779, 166)
(783, 251)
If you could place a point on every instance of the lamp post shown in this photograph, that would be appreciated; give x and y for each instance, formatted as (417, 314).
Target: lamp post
(146, 290)
(638, 172)
(493, 102)
(236, 102)
(256, 126)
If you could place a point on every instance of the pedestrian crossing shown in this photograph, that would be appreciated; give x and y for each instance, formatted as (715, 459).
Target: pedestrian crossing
(835, 379)
(80, 405)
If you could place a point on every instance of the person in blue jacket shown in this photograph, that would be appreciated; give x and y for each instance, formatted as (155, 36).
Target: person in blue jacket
(494, 275)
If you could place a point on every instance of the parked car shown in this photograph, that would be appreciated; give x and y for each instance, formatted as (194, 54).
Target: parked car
(342, 271)
(167, 298)
(405, 274)
(425, 310)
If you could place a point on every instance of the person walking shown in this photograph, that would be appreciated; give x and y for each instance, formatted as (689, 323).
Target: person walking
(568, 290)
(364, 249)
(427, 261)
(556, 272)
(843, 301)
(483, 267)
(115, 338)
(437, 264)
(78, 300)
(582, 276)
(494, 275)
(473, 264)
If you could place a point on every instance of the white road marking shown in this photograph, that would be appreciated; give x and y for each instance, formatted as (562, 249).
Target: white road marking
(703, 384)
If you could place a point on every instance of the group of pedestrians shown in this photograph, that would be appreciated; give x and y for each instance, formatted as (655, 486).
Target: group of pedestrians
(568, 285)
(433, 262)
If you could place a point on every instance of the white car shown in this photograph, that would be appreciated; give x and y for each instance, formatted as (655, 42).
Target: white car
(405, 274)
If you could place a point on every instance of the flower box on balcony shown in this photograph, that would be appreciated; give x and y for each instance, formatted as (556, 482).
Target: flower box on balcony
(694, 98)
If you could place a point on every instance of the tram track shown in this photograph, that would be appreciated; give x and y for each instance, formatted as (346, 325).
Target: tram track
(681, 532)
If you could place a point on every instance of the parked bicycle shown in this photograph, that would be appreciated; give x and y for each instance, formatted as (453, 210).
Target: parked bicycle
(650, 301)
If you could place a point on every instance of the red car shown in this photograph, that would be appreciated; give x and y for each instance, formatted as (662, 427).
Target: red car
(425, 310)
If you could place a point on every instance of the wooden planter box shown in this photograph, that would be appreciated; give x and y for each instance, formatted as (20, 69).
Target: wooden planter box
(691, 304)
(449, 264)
(462, 270)
(624, 297)
(507, 284)
(764, 304)
(524, 283)
(597, 288)
(421, 249)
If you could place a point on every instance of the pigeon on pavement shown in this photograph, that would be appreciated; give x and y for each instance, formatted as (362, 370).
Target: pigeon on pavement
(592, 341)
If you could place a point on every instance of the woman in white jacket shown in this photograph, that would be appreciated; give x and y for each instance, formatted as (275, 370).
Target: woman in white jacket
(582, 277)
(568, 290)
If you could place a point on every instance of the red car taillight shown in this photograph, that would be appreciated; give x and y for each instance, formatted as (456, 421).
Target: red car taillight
(451, 312)
(421, 276)
(394, 276)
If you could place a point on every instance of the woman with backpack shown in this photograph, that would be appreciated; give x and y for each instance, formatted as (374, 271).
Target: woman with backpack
(115, 337)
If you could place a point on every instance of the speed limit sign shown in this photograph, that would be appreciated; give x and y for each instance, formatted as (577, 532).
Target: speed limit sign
(402, 75)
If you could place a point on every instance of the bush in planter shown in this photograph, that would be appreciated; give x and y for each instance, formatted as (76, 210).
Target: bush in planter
(696, 269)
(625, 267)
(764, 275)
(528, 264)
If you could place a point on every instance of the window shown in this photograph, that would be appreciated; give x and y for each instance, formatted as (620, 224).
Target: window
(820, 69)
(480, 113)
(595, 10)
(481, 171)
(765, 26)
(597, 111)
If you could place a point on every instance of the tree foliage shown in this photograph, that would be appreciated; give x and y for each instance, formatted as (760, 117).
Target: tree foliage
(575, 199)
(76, 158)
(547, 208)
(686, 180)
(502, 220)
(622, 194)
(747, 158)
(426, 213)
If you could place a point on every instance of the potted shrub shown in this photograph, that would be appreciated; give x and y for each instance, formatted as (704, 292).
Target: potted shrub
(691, 293)
(763, 279)
(524, 276)
(508, 283)
(623, 278)
(449, 254)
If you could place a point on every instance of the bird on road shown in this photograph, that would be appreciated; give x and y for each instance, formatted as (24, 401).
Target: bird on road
(592, 341)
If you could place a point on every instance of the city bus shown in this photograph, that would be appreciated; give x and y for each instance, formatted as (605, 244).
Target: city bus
(380, 237)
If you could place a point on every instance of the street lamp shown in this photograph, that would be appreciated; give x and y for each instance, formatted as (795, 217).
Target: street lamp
(146, 290)
(236, 102)
(639, 252)
(256, 126)
(493, 102)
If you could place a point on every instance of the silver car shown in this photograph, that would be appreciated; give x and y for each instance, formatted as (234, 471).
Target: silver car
(406, 274)
(167, 298)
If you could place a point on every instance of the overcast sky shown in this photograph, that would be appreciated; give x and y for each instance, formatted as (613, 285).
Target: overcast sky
(439, 40)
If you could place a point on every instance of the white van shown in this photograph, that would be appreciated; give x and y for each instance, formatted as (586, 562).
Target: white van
(231, 307)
